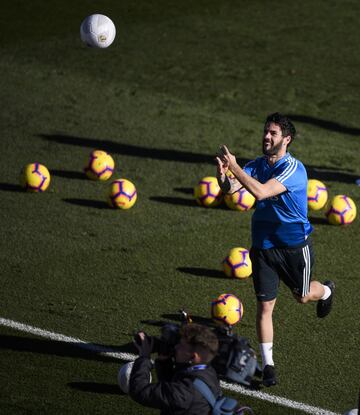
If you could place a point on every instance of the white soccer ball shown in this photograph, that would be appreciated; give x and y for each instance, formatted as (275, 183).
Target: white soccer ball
(97, 31)
(124, 376)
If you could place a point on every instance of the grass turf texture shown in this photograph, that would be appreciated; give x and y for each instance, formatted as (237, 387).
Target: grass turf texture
(179, 80)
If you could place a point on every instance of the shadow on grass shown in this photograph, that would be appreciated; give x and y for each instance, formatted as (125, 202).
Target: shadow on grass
(185, 190)
(196, 319)
(105, 388)
(133, 150)
(318, 221)
(202, 272)
(324, 174)
(9, 187)
(78, 350)
(325, 124)
(316, 172)
(178, 318)
(185, 202)
(68, 174)
(174, 201)
(98, 204)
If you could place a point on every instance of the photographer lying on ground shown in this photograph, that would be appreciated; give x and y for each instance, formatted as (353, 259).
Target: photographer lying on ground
(175, 393)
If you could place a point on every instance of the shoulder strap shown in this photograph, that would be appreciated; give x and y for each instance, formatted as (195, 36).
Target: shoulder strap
(204, 389)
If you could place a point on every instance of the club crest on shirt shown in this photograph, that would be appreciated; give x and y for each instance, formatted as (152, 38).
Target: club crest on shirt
(272, 198)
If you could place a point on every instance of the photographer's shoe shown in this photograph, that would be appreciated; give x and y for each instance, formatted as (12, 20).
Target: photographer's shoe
(269, 376)
(323, 307)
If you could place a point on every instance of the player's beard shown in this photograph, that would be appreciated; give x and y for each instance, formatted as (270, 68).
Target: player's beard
(273, 150)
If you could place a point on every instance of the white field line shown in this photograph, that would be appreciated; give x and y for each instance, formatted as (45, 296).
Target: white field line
(111, 352)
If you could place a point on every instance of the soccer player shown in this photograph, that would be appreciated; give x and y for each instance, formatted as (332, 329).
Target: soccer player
(281, 246)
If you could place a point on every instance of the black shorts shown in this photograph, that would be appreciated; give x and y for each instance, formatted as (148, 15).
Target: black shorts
(292, 265)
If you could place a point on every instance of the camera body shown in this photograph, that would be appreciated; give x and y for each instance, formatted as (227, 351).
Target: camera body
(166, 342)
(235, 360)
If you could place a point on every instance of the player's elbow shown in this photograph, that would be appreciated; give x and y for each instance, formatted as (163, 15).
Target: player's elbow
(260, 195)
(264, 193)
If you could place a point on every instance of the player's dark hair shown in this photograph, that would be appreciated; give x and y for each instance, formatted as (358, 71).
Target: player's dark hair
(201, 338)
(285, 124)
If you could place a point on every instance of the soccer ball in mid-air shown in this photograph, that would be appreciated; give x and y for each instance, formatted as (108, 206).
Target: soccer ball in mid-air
(241, 200)
(238, 263)
(122, 194)
(227, 309)
(317, 194)
(100, 165)
(35, 177)
(207, 192)
(342, 210)
(97, 31)
(124, 376)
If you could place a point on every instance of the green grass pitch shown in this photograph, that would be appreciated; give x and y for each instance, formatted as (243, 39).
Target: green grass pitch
(181, 78)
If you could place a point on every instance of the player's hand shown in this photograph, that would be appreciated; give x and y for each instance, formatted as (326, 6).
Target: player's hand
(222, 166)
(144, 344)
(227, 157)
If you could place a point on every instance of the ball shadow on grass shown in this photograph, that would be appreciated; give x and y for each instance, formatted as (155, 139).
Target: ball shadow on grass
(185, 190)
(202, 272)
(185, 202)
(69, 174)
(174, 201)
(98, 204)
(315, 220)
(10, 187)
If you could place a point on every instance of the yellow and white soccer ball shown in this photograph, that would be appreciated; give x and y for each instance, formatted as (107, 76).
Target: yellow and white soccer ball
(317, 194)
(227, 309)
(97, 31)
(241, 200)
(207, 192)
(124, 376)
(342, 210)
(238, 263)
(100, 166)
(35, 177)
(122, 194)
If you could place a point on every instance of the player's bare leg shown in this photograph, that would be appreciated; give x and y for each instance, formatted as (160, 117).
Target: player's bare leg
(317, 291)
(265, 331)
(323, 294)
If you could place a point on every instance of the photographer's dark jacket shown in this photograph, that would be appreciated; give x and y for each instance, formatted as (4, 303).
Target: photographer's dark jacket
(174, 393)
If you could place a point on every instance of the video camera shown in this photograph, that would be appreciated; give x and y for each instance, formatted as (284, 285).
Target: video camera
(235, 360)
(166, 342)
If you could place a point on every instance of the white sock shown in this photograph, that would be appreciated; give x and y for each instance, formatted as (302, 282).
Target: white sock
(266, 350)
(327, 292)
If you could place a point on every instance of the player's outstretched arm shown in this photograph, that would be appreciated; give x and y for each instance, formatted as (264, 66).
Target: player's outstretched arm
(259, 190)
